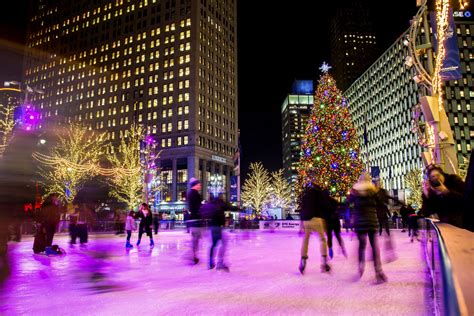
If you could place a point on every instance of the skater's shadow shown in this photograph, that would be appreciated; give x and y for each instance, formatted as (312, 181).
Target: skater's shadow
(43, 259)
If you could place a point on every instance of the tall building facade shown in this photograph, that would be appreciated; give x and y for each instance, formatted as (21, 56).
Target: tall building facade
(381, 103)
(295, 112)
(170, 65)
(459, 94)
(353, 42)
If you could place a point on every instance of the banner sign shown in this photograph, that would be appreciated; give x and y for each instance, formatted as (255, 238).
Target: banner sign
(280, 225)
(451, 69)
(233, 189)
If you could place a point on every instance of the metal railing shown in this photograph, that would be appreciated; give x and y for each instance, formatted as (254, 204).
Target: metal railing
(439, 264)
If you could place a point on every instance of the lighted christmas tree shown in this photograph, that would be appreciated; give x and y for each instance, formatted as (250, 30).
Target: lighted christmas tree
(330, 148)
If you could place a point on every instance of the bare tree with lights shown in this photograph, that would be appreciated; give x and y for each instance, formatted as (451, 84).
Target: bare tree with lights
(7, 123)
(255, 191)
(72, 161)
(414, 184)
(280, 191)
(128, 188)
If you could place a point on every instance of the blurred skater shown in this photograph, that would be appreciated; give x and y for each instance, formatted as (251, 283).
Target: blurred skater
(130, 226)
(194, 200)
(364, 198)
(312, 208)
(146, 222)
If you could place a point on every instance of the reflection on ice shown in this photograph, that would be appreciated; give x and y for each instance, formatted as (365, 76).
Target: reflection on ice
(105, 278)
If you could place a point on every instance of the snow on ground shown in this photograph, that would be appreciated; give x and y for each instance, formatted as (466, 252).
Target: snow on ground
(105, 279)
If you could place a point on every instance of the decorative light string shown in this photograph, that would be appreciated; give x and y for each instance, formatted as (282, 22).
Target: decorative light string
(442, 14)
(84, 168)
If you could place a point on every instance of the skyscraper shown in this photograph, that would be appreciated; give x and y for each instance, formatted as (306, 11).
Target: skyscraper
(170, 65)
(353, 42)
(295, 112)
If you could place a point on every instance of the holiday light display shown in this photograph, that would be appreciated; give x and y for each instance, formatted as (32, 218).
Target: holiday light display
(330, 148)
(256, 188)
(71, 162)
(7, 123)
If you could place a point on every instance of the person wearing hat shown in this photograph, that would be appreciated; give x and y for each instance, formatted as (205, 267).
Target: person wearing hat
(194, 200)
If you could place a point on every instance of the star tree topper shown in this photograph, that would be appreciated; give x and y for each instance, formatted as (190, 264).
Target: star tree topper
(325, 67)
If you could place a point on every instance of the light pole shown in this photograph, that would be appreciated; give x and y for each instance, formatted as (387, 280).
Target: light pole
(147, 158)
(437, 137)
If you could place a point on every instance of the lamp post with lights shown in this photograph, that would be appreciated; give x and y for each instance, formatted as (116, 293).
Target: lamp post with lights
(436, 136)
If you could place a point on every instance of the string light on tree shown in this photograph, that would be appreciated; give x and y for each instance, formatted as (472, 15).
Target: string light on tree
(330, 146)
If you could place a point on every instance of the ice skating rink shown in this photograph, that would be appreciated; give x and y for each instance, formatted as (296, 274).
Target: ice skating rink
(105, 279)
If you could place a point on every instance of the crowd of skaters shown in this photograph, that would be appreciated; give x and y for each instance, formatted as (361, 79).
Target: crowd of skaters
(443, 195)
(367, 212)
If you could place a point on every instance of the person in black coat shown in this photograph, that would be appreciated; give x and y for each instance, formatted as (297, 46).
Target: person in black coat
(146, 222)
(363, 196)
(443, 195)
(313, 208)
(333, 224)
(218, 206)
(194, 200)
(383, 214)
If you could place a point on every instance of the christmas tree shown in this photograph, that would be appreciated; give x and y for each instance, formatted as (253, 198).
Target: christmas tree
(330, 148)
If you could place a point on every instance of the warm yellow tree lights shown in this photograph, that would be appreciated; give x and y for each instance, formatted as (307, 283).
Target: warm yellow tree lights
(71, 162)
(128, 187)
(7, 123)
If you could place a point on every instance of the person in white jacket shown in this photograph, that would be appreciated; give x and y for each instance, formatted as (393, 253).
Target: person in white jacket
(129, 226)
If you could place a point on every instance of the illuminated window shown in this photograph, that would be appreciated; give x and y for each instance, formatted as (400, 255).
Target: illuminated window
(170, 127)
(170, 112)
(180, 125)
(169, 142)
(163, 143)
(186, 124)
(179, 141)
(185, 140)
(163, 127)
(163, 114)
(186, 109)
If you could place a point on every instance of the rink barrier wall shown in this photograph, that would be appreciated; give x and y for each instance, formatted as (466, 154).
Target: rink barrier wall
(447, 295)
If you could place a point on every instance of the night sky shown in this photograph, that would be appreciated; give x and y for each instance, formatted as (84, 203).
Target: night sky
(277, 43)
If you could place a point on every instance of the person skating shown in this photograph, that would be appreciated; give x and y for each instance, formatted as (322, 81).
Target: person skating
(383, 214)
(146, 222)
(333, 224)
(48, 220)
(194, 200)
(214, 211)
(404, 211)
(156, 222)
(363, 196)
(130, 226)
(313, 204)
